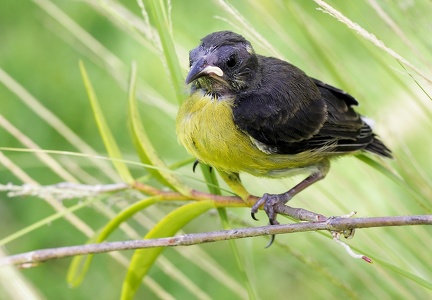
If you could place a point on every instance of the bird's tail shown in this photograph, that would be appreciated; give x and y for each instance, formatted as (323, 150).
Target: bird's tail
(378, 147)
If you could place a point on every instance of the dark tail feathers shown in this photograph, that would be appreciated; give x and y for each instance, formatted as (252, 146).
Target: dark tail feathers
(378, 147)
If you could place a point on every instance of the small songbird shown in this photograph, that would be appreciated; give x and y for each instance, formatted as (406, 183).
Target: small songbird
(261, 115)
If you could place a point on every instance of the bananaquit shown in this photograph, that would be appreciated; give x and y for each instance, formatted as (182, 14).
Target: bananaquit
(261, 115)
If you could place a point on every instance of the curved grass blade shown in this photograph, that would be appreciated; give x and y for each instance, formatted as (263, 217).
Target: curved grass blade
(107, 137)
(143, 259)
(420, 199)
(144, 147)
(392, 267)
(415, 278)
(80, 264)
(213, 186)
(43, 222)
(162, 24)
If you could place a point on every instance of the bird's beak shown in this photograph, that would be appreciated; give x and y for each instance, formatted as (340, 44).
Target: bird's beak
(201, 68)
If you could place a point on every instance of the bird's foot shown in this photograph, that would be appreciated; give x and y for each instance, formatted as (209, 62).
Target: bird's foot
(270, 201)
(274, 204)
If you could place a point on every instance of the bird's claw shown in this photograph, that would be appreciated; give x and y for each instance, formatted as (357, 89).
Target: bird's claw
(256, 206)
(269, 201)
(196, 163)
(253, 215)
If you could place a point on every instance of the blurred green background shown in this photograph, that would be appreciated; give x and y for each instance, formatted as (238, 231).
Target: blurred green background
(44, 105)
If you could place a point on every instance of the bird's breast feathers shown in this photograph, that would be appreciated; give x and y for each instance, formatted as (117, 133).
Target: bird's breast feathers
(205, 127)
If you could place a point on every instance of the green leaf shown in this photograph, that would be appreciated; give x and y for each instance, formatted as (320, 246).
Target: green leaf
(144, 147)
(107, 137)
(45, 221)
(420, 281)
(418, 197)
(162, 24)
(143, 259)
(236, 252)
(213, 186)
(80, 264)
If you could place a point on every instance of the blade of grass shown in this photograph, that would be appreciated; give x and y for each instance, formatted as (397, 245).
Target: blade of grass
(213, 186)
(144, 147)
(420, 200)
(107, 137)
(80, 264)
(420, 281)
(142, 260)
(52, 120)
(45, 221)
(326, 8)
(160, 20)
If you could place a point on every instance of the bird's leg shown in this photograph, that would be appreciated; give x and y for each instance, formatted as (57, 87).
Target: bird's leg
(234, 182)
(271, 201)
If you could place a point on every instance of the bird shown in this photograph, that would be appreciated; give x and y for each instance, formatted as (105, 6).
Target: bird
(249, 113)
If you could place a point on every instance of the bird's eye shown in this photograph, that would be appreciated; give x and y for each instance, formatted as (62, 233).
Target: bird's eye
(232, 61)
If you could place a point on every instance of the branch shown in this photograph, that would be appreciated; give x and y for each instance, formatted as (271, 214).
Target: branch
(334, 224)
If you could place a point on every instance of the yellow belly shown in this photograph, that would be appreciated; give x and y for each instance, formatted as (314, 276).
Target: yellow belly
(206, 129)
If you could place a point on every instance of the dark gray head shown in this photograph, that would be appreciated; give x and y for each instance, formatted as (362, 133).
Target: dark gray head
(223, 62)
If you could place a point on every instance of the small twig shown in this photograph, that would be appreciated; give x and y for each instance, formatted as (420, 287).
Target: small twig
(62, 190)
(336, 224)
(336, 238)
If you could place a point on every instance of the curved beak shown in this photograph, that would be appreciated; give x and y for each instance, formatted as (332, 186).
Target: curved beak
(201, 68)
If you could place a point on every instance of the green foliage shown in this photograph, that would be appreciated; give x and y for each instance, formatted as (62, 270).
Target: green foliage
(109, 141)
(143, 259)
(80, 264)
(44, 105)
(144, 147)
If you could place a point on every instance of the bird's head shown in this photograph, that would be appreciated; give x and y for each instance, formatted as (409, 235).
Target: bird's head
(224, 63)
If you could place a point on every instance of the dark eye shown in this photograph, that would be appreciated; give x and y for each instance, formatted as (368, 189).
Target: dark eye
(232, 61)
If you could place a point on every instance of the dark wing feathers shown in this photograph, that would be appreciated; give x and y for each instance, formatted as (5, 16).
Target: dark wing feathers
(285, 106)
(345, 126)
(347, 98)
(289, 113)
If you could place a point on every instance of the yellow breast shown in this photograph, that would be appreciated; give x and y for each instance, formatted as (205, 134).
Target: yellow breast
(206, 129)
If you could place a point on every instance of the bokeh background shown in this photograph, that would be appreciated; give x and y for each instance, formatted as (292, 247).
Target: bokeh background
(44, 105)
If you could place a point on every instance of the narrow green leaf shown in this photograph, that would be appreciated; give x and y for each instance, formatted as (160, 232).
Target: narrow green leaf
(211, 179)
(420, 199)
(144, 147)
(213, 186)
(45, 221)
(107, 137)
(420, 281)
(162, 24)
(143, 259)
(240, 262)
(80, 264)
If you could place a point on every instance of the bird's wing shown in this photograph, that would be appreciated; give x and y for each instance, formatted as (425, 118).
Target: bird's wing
(349, 100)
(289, 112)
(344, 128)
(283, 106)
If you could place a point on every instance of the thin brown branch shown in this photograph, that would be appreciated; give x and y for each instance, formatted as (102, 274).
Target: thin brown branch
(220, 201)
(336, 224)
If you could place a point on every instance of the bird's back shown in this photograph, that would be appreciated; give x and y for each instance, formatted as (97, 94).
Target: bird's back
(288, 112)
